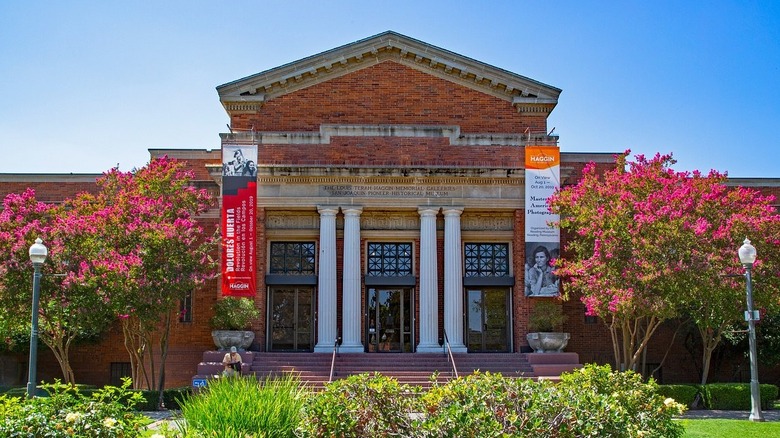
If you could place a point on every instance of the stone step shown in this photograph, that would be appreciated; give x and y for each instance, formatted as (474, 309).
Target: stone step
(409, 368)
(553, 358)
(547, 370)
(212, 368)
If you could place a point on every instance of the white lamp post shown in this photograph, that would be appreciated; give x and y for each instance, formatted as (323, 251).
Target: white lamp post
(38, 253)
(747, 256)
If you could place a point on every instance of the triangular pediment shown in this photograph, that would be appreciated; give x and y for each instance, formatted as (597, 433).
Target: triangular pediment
(249, 93)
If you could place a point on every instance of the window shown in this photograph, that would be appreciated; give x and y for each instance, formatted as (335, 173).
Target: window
(487, 260)
(185, 308)
(292, 258)
(390, 259)
(118, 371)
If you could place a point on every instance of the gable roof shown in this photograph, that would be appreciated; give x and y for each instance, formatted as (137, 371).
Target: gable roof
(249, 93)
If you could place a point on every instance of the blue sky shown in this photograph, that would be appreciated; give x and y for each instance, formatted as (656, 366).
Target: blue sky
(87, 85)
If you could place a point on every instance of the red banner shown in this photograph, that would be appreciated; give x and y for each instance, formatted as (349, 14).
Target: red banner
(239, 194)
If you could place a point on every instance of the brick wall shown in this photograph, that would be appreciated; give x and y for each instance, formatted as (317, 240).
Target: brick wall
(388, 93)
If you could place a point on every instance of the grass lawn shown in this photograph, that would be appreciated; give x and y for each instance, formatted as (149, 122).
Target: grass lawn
(730, 428)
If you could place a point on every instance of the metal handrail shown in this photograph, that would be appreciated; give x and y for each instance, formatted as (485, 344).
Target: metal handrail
(333, 360)
(449, 354)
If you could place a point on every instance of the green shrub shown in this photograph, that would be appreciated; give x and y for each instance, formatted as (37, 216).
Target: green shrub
(546, 316)
(172, 396)
(4, 389)
(488, 405)
(683, 394)
(150, 400)
(244, 406)
(736, 396)
(41, 391)
(18, 391)
(67, 412)
(594, 401)
(365, 405)
(234, 314)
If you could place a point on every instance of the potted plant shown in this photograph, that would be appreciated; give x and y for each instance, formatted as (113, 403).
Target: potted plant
(232, 323)
(544, 323)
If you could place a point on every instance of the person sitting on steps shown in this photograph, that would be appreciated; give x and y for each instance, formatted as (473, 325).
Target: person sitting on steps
(232, 363)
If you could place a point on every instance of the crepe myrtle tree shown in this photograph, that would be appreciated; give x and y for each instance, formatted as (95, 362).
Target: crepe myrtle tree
(713, 279)
(72, 302)
(153, 219)
(130, 251)
(648, 243)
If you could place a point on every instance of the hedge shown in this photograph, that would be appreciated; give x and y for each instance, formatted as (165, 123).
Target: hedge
(736, 396)
(683, 394)
(171, 396)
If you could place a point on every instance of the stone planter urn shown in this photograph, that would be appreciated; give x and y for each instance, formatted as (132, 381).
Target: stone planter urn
(224, 339)
(546, 320)
(547, 342)
(232, 323)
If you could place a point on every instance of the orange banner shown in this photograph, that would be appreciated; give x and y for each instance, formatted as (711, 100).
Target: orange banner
(542, 157)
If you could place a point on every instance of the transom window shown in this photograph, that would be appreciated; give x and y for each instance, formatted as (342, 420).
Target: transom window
(390, 259)
(487, 260)
(292, 258)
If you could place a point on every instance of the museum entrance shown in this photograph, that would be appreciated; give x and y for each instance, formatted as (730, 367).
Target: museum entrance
(389, 320)
(291, 319)
(488, 321)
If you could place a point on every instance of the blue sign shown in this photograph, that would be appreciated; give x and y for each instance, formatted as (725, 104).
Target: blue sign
(199, 383)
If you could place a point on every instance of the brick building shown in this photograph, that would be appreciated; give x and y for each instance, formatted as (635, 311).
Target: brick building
(390, 210)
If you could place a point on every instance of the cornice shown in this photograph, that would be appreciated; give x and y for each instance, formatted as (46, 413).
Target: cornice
(469, 181)
(344, 175)
(249, 94)
(451, 132)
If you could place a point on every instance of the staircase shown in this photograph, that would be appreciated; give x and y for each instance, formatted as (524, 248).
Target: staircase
(409, 368)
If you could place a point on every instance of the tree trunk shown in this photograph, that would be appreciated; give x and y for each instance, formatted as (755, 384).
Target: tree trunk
(164, 337)
(136, 347)
(630, 339)
(61, 354)
(615, 344)
(710, 339)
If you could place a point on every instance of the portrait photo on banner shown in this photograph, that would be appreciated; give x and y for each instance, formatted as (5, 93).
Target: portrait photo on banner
(540, 278)
(238, 161)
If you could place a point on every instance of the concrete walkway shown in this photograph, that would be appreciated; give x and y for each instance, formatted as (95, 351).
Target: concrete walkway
(160, 417)
(700, 414)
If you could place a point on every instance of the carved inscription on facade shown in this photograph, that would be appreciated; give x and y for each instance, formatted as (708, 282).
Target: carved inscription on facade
(486, 222)
(281, 221)
(388, 221)
(389, 191)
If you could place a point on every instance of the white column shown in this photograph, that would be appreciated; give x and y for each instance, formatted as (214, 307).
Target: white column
(453, 280)
(327, 329)
(429, 283)
(350, 315)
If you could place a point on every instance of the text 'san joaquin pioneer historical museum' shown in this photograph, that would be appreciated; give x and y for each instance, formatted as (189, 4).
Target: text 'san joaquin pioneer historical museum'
(385, 196)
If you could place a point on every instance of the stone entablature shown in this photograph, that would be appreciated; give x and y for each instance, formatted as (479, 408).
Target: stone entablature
(388, 220)
(451, 132)
(399, 194)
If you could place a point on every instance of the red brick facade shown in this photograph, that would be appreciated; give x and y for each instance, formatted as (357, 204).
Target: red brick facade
(398, 113)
